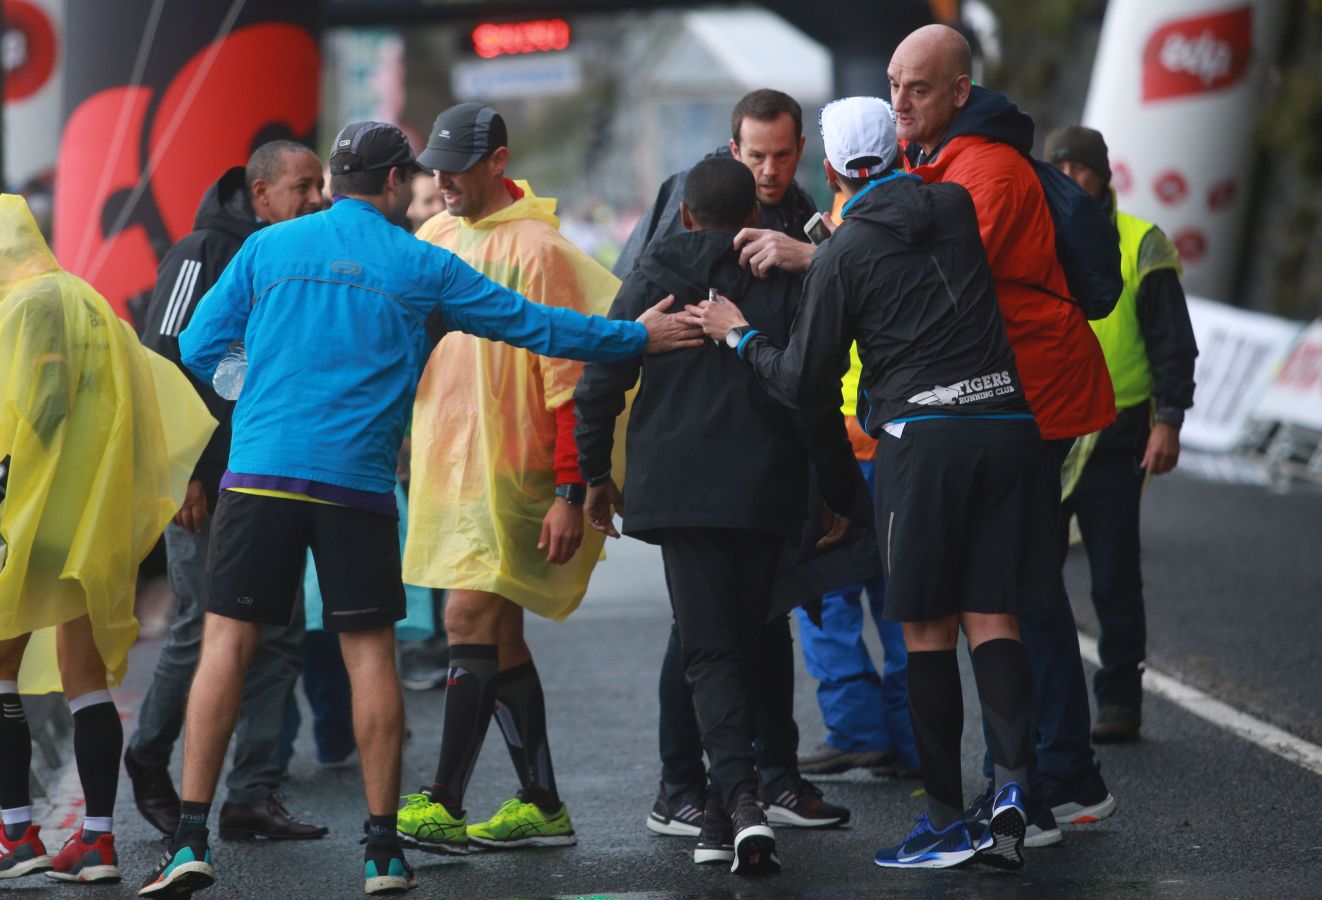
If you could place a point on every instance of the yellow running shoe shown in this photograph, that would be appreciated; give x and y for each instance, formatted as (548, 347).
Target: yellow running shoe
(427, 826)
(519, 824)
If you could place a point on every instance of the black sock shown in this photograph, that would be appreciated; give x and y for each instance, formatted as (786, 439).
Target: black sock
(469, 700)
(15, 749)
(381, 829)
(936, 704)
(521, 714)
(98, 741)
(192, 822)
(1005, 687)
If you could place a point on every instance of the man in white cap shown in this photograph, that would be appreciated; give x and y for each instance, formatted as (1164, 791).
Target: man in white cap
(905, 275)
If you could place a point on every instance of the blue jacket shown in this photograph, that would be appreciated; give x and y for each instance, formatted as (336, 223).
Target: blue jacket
(335, 309)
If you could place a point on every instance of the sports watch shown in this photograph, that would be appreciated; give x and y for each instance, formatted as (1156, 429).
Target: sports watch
(736, 334)
(574, 494)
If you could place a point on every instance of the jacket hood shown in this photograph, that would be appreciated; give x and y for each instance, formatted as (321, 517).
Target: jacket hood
(226, 206)
(897, 204)
(988, 115)
(687, 264)
(23, 251)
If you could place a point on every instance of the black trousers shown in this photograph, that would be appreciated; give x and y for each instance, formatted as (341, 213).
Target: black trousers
(734, 664)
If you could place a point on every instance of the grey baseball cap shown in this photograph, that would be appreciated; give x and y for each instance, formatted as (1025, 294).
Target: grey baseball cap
(462, 135)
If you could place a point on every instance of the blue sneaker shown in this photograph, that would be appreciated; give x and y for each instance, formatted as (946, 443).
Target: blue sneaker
(180, 872)
(927, 848)
(386, 871)
(1002, 843)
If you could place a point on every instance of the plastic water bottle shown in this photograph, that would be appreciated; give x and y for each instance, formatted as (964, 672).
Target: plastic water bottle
(228, 380)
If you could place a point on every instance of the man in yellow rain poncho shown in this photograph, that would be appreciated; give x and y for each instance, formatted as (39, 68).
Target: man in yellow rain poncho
(92, 477)
(496, 510)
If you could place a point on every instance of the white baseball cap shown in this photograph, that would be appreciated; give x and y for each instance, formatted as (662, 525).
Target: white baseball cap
(859, 135)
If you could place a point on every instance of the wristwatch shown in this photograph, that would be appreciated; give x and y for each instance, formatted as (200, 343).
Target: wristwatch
(736, 334)
(574, 494)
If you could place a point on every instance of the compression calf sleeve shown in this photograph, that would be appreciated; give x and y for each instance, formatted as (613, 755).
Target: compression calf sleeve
(15, 749)
(1005, 689)
(98, 742)
(521, 714)
(936, 703)
(469, 700)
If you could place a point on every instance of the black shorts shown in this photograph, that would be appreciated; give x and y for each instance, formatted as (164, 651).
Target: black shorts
(955, 501)
(259, 546)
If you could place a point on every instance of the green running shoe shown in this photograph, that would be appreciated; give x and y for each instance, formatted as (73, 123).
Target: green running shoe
(519, 824)
(427, 826)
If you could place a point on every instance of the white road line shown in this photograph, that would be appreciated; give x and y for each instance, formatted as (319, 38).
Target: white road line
(1268, 737)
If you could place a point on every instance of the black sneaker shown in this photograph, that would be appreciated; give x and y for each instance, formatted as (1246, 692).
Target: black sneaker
(754, 844)
(794, 800)
(385, 871)
(680, 815)
(716, 842)
(1081, 802)
(184, 868)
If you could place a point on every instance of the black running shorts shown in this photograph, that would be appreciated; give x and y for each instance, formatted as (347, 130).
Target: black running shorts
(955, 499)
(259, 546)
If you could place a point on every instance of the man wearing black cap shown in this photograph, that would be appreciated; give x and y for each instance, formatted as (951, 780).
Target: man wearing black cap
(335, 310)
(495, 512)
(1149, 346)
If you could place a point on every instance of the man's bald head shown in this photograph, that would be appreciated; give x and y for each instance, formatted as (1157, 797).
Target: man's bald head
(930, 77)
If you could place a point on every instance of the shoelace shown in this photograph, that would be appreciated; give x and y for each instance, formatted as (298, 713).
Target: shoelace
(920, 824)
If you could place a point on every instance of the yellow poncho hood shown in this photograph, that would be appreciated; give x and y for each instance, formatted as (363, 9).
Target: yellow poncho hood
(102, 437)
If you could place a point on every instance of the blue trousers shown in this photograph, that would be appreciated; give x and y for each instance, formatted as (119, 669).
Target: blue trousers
(862, 710)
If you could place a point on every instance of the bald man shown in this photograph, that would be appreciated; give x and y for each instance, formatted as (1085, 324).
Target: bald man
(956, 132)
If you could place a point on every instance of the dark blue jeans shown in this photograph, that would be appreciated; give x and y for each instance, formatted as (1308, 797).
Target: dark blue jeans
(1062, 720)
(1106, 501)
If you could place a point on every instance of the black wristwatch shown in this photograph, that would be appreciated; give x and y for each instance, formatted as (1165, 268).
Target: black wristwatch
(574, 494)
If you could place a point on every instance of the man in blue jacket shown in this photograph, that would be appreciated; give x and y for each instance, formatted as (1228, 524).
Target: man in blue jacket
(338, 312)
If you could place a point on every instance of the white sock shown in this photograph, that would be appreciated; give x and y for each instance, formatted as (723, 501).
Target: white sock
(16, 816)
(98, 823)
(91, 698)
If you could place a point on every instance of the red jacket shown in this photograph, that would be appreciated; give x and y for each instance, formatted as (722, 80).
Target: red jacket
(1060, 362)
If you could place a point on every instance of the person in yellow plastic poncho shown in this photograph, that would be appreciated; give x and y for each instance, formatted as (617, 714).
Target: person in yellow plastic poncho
(92, 477)
(495, 511)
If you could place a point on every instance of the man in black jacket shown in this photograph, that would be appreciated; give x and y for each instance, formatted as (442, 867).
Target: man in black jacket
(906, 276)
(282, 180)
(766, 129)
(717, 475)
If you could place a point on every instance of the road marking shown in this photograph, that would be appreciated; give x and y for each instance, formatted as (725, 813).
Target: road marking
(1267, 736)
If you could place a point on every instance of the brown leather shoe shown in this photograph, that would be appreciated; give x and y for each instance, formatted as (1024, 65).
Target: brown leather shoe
(268, 819)
(1116, 724)
(154, 794)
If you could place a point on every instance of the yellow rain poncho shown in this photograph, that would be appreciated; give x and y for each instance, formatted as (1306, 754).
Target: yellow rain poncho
(102, 436)
(484, 423)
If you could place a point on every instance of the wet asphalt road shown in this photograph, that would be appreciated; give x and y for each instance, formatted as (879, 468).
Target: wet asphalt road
(1234, 581)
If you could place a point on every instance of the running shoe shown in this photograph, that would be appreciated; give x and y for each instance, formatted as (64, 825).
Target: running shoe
(385, 869)
(754, 843)
(430, 827)
(1042, 828)
(1002, 842)
(716, 840)
(680, 815)
(520, 824)
(181, 871)
(794, 800)
(927, 848)
(1081, 803)
(23, 856)
(93, 862)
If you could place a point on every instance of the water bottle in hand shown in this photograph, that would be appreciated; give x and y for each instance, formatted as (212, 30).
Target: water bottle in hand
(228, 380)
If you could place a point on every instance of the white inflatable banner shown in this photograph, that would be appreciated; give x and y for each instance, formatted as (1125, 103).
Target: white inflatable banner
(1239, 353)
(1175, 90)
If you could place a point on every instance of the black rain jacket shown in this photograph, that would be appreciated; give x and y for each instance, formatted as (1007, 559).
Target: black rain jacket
(707, 448)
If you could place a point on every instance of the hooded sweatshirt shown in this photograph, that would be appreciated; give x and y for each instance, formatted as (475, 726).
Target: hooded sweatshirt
(906, 277)
(707, 447)
(224, 220)
(986, 151)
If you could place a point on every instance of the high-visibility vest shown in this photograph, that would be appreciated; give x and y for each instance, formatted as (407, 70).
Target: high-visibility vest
(1119, 333)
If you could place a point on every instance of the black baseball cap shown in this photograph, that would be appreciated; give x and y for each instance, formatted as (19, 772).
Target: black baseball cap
(363, 146)
(462, 135)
